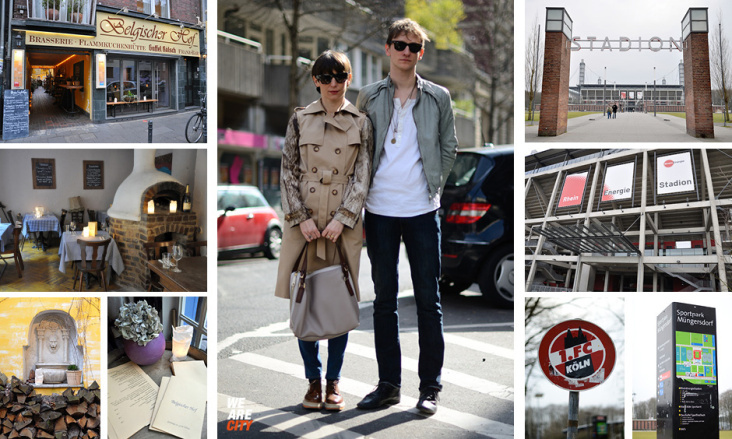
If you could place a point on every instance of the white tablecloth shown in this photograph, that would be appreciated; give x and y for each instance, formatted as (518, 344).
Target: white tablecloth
(6, 235)
(46, 223)
(69, 250)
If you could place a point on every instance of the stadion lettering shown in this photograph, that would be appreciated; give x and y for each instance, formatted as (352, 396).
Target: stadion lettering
(624, 44)
(618, 184)
(127, 34)
(674, 173)
(573, 190)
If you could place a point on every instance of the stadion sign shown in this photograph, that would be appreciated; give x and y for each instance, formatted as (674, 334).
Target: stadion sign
(624, 44)
(618, 184)
(674, 173)
(129, 34)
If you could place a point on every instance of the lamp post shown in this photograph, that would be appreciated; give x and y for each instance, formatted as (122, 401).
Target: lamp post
(654, 92)
(604, 88)
(538, 397)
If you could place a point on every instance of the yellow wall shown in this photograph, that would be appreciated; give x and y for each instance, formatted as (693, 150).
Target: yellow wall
(83, 99)
(16, 315)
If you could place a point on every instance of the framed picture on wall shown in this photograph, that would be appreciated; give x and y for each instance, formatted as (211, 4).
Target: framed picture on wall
(44, 173)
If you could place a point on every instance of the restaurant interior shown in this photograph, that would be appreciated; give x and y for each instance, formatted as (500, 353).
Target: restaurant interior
(125, 220)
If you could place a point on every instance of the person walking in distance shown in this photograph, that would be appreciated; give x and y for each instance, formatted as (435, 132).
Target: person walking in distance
(615, 110)
(414, 149)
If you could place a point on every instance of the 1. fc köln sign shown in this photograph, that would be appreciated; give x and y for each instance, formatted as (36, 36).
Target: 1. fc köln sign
(576, 355)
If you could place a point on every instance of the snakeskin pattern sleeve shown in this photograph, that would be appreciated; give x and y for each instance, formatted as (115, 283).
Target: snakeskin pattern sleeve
(292, 203)
(357, 188)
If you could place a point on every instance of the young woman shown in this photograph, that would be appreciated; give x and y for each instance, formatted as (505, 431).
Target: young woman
(326, 167)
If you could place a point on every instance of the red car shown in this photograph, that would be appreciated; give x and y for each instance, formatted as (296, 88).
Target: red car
(246, 222)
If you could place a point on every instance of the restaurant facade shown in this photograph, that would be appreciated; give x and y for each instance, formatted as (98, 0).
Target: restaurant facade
(107, 62)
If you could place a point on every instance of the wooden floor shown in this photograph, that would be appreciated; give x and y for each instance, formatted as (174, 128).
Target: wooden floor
(41, 274)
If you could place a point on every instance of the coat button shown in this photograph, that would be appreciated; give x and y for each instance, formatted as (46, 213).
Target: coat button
(316, 149)
(314, 169)
(335, 171)
(335, 192)
(338, 151)
(332, 213)
(312, 189)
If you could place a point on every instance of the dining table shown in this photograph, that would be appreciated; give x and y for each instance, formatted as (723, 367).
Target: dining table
(6, 235)
(192, 277)
(45, 223)
(69, 251)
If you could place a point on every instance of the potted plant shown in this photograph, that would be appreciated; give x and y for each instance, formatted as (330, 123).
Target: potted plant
(141, 331)
(76, 11)
(73, 375)
(129, 96)
(51, 7)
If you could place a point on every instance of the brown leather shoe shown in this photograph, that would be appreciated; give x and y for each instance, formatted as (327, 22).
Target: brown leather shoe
(314, 397)
(333, 398)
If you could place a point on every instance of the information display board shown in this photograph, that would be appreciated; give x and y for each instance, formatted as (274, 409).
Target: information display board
(15, 114)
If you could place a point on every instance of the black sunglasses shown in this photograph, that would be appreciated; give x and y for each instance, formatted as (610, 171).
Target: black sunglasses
(413, 47)
(325, 78)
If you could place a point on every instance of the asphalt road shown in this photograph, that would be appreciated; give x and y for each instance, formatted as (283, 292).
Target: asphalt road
(260, 372)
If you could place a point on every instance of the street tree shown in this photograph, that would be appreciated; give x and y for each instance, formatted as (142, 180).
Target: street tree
(721, 63)
(534, 64)
(440, 18)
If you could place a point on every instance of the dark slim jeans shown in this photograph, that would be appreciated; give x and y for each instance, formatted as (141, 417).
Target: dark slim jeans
(421, 236)
(310, 351)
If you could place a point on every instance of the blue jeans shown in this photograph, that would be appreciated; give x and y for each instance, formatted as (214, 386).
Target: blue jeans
(421, 236)
(310, 352)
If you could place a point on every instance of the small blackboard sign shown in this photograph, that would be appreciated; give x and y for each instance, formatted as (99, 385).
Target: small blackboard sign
(15, 114)
(44, 173)
(93, 174)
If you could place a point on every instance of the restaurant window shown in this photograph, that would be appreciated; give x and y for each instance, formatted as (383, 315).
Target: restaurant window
(323, 45)
(159, 7)
(113, 85)
(193, 312)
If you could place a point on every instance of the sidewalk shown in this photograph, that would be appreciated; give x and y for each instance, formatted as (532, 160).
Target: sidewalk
(166, 129)
(627, 127)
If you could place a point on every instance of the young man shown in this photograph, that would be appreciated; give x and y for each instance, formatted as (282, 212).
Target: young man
(414, 149)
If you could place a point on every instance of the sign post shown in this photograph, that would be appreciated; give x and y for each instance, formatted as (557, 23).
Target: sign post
(576, 355)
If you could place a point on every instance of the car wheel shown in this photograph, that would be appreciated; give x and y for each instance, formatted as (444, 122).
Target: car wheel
(449, 286)
(273, 243)
(496, 278)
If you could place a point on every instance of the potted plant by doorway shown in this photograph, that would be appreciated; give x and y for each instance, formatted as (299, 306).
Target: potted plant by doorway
(73, 375)
(141, 331)
(51, 7)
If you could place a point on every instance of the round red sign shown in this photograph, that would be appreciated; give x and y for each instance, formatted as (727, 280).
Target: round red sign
(576, 355)
(668, 163)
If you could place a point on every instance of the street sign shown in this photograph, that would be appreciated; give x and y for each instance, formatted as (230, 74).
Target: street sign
(576, 355)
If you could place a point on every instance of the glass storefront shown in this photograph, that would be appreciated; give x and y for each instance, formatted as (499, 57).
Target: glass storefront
(135, 85)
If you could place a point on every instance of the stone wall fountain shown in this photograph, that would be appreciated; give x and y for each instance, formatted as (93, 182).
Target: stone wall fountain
(52, 347)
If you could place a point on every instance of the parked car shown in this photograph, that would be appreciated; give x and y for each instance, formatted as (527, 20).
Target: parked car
(477, 225)
(246, 222)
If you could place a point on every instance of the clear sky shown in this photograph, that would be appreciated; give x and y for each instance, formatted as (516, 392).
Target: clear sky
(632, 19)
(600, 311)
(642, 312)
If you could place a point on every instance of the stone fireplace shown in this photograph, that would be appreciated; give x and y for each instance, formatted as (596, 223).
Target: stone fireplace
(131, 225)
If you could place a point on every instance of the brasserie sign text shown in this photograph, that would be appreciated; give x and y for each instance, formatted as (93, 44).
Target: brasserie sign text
(128, 34)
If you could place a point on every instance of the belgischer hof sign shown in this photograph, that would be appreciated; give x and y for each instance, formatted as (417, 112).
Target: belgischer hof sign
(675, 173)
(687, 393)
(129, 34)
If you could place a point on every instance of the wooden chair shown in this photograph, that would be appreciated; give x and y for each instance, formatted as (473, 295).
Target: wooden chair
(92, 265)
(14, 250)
(194, 248)
(154, 251)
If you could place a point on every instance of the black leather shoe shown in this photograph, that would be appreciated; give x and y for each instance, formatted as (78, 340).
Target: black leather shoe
(428, 401)
(385, 393)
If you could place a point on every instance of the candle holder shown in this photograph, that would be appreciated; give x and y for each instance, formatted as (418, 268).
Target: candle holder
(173, 206)
(182, 336)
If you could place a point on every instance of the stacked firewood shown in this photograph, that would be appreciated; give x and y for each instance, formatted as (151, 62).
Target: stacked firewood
(25, 414)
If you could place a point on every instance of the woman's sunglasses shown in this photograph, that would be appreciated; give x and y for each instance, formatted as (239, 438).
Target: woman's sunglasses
(413, 47)
(325, 78)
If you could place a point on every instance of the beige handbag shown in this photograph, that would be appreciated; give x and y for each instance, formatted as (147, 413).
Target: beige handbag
(322, 303)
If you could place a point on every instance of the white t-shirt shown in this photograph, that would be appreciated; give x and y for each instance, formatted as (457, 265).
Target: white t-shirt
(400, 187)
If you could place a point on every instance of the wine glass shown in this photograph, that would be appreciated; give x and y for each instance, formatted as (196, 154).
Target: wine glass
(72, 226)
(177, 255)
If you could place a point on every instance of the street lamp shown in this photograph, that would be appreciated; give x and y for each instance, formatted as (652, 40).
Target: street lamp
(654, 92)
(604, 88)
(538, 396)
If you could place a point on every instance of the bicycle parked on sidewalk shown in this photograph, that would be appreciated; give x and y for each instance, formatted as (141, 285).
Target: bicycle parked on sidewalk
(197, 123)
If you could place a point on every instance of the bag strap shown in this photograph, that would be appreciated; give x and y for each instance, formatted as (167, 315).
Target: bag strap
(302, 272)
(344, 267)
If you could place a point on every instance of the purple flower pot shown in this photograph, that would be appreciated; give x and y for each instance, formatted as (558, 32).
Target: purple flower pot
(148, 354)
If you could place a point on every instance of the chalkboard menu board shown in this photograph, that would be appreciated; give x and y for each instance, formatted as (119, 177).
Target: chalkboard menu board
(44, 173)
(15, 114)
(93, 174)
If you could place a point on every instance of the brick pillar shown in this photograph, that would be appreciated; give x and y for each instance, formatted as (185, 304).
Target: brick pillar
(555, 85)
(698, 86)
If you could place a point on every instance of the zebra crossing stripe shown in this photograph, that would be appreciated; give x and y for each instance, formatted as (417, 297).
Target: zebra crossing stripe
(479, 346)
(448, 375)
(465, 421)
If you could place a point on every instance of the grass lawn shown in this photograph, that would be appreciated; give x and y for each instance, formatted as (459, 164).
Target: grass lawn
(652, 435)
(570, 115)
(717, 117)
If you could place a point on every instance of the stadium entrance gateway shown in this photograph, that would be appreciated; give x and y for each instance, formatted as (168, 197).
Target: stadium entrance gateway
(559, 43)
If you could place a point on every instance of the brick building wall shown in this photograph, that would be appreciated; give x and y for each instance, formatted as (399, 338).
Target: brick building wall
(555, 85)
(697, 81)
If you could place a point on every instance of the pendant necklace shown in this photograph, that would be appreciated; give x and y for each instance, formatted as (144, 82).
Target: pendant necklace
(399, 114)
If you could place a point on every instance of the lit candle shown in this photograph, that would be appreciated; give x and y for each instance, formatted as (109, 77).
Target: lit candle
(92, 228)
(173, 206)
(180, 348)
(85, 233)
(150, 207)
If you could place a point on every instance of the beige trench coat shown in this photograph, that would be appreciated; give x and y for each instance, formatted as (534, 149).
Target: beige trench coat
(326, 171)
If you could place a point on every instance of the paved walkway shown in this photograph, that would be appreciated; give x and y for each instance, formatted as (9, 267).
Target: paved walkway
(627, 127)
